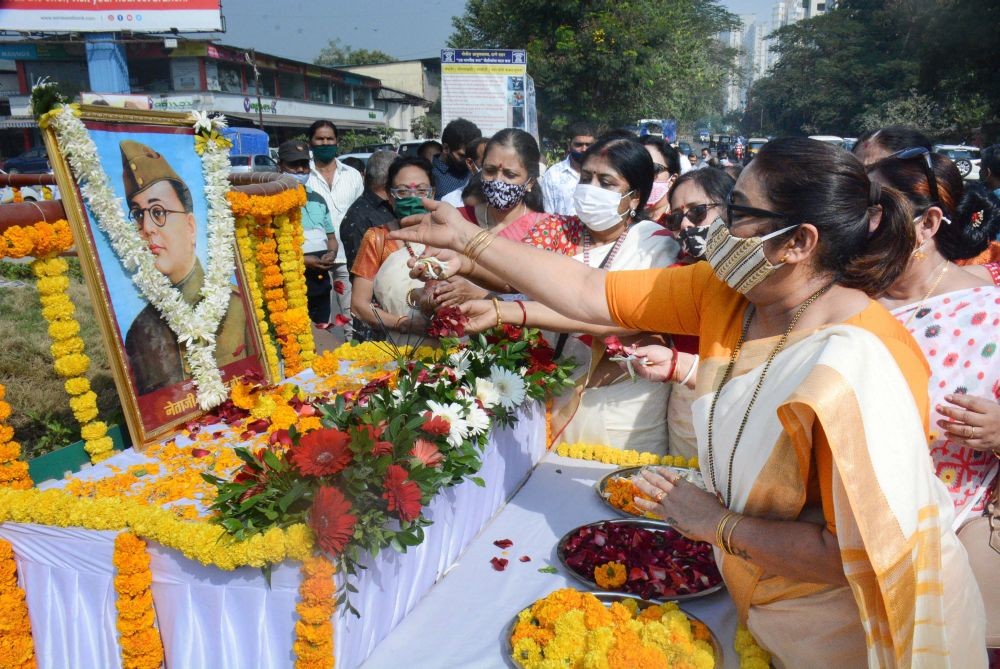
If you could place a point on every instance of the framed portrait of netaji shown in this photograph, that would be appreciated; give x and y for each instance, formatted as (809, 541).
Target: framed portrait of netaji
(154, 236)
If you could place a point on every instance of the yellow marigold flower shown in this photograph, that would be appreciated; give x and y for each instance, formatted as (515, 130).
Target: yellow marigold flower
(263, 407)
(52, 285)
(243, 395)
(72, 365)
(99, 446)
(307, 424)
(4, 411)
(84, 407)
(76, 385)
(93, 430)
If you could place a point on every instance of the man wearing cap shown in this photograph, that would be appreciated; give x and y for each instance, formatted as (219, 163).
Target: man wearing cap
(161, 207)
(319, 244)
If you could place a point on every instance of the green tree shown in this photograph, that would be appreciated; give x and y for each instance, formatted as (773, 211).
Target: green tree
(427, 126)
(609, 61)
(336, 53)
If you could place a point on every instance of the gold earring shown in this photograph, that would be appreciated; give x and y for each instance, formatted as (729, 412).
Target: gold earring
(918, 253)
(783, 258)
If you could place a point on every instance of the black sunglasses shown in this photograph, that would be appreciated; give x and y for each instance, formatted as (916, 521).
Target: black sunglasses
(735, 212)
(695, 214)
(659, 169)
(924, 152)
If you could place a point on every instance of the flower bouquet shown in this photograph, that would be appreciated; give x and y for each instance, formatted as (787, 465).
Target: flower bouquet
(362, 480)
(643, 558)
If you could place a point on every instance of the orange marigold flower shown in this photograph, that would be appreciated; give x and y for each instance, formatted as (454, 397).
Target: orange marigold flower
(610, 575)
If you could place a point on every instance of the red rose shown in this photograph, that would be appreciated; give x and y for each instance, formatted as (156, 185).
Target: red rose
(331, 520)
(541, 360)
(402, 494)
(322, 452)
(436, 425)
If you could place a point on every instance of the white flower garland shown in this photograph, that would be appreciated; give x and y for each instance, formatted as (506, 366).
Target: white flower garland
(195, 327)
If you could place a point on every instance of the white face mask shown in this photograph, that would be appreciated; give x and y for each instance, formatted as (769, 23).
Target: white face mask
(301, 178)
(739, 261)
(598, 207)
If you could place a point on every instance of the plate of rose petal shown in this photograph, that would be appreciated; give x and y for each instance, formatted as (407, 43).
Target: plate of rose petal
(646, 558)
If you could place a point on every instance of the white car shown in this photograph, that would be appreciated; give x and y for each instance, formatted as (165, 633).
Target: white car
(829, 139)
(966, 158)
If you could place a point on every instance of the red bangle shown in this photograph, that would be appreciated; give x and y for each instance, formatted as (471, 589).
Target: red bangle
(673, 365)
(524, 312)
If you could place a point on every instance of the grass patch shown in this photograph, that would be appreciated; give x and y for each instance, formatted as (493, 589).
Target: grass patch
(41, 416)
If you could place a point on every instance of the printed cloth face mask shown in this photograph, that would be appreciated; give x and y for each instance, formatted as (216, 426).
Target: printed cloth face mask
(693, 240)
(597, 207)
(740, 261)
(660, 189)
(502, 195)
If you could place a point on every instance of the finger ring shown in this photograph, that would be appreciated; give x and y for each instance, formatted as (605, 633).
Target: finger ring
(660, 496)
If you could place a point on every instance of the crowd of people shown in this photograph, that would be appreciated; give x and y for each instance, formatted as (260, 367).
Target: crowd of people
(819, 327)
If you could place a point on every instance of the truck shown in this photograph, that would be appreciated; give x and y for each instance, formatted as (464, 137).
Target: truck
(246, 141)
(659, 127)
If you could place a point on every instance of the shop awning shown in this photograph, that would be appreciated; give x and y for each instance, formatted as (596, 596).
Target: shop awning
(14, 123)
(301, 121)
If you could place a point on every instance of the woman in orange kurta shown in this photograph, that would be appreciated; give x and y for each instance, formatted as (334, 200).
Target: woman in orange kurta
(832, 531)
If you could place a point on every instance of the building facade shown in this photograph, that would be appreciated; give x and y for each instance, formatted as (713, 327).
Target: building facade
(283, 95)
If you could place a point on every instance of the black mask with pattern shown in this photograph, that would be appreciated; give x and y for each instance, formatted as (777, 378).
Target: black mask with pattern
(502, 195)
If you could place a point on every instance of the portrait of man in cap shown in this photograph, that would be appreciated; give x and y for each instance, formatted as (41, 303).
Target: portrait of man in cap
(160, 205)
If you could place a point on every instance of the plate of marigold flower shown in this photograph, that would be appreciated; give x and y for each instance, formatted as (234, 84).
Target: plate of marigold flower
(619, 492)
(608, 629)
(646, 558)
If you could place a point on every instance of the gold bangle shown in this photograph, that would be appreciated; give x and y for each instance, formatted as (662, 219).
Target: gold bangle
(728, 543)
(476, 240)
(479, 243)
(398, 321)
(721, 527)
(496, 305)
(411, 302)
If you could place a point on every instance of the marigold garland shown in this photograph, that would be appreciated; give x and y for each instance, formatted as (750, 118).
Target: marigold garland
(273, 238)
(69, 360)
(205, 542)
(623, 458)
(246, 245)
(314, 629)
(138, 636)
(13, 470)
(17, 648)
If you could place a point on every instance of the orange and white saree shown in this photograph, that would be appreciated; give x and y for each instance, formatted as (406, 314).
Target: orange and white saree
(835, 400)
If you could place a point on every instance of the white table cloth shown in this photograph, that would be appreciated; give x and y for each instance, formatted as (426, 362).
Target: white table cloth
(461, 621)
(213, 619)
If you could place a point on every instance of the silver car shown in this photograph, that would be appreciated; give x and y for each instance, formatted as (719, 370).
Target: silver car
(258, 162)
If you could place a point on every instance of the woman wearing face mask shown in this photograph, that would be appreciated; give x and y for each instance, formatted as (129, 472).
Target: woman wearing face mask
(384, 295)
(954, 316)
(606, 406)
(667, 166)
(812, 413)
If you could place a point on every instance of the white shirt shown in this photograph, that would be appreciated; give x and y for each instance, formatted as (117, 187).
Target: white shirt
(558, 184)
(347, 187)
(454, 198)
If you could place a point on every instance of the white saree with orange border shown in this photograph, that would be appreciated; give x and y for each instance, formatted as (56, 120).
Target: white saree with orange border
(911, 600)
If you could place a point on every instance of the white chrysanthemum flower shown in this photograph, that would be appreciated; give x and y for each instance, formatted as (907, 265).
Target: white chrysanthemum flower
(509, 387)
(486, 392)
(478, 420)
(460, 362)
(201, 121)
(455, 415)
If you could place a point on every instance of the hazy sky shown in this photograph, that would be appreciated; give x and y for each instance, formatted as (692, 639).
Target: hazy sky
(405, 29)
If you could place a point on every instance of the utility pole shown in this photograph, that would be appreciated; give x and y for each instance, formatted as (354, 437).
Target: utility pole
(251, 58)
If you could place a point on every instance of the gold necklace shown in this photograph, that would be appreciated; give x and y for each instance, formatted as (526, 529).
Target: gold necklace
(920, 304)
(760, 382)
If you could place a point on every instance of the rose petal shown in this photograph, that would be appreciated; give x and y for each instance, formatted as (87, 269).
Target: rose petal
(503, 543)
(199, 452)
(499, 564)
(524, 558)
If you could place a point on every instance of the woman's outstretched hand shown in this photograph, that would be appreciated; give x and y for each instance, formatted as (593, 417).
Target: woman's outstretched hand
(442, 227)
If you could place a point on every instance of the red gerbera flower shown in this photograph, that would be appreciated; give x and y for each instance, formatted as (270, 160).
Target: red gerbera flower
(402, 494)
(541, 360)
(437, 426)
(331, 520)
(322, 452)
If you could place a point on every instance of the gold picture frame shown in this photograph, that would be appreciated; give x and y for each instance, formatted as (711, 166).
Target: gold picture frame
(143, 353)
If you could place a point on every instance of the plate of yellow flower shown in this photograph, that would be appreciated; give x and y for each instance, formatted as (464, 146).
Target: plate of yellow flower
(619, 492)
(608, 629)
